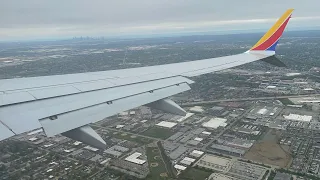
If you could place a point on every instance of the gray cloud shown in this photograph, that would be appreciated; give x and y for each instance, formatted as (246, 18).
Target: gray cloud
(46, 18)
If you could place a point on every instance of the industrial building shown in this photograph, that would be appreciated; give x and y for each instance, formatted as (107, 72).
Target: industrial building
(227, 150)
(196, 109)
(186, 138)
(134, 158)
(236, 142)
(178, 152)
(91, 148)
(180, 167)
(193, 142)
(216, 110)
(214, 162)
(113, 153)
(185, 117)
(214, 123)
(297, 117)
(175, 136)
(247, 170)
(166, 124)
(187, 161)
(196, 153)
(218, 176)
(282, 176)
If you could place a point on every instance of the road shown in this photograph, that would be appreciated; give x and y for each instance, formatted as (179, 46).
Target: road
(204, 148)
(245, 99)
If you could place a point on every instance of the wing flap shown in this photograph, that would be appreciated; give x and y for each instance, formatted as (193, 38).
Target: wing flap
(12, 98)
(53, 92)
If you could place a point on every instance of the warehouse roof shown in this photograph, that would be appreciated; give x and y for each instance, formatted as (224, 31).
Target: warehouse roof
(166, 124)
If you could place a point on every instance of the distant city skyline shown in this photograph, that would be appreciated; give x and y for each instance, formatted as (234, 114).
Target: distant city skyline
(37, 19)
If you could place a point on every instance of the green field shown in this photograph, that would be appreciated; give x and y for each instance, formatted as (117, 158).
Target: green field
(130, 137)
(195, 174)
(160, 133)
(286, 101)
(154, 157)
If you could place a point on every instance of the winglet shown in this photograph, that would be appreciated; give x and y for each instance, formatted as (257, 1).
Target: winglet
(270, 40)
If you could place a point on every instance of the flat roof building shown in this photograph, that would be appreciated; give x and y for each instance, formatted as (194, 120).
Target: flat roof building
(178, 152)
(228, 149)
(185, 117)
(297, 117)
(166, 124)
(215, 123)
(175, 136)
(213, 162)
(134, 158)
(179, 167)
(196, 109)
(196, 153)
(218, 176)
(91, 148)
(187, 161)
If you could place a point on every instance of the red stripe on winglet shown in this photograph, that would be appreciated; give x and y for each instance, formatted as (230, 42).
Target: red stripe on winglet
(273, 38)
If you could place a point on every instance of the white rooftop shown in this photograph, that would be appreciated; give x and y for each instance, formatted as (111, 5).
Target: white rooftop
(206, 132)
(196, 109)
(198, 139)
(33, 139)
(271, 87)
(298, 117)
(221, 161)
(77, 143)
(48, 145)
(177, 166)
(166, 124)
(185, 117)
(91, 148)
(134, 158)
(143, 121)
(197, 152)
(262, 111)
(119, 126)
(35, 132)
(215, 123)
(105, 161)
(189, 159)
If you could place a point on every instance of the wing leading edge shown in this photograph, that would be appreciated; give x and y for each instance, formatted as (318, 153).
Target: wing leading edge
(68, 103)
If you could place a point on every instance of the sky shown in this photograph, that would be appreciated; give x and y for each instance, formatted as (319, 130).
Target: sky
(51, 19)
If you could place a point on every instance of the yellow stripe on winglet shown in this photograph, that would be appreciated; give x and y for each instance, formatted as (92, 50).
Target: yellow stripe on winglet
(274, 28)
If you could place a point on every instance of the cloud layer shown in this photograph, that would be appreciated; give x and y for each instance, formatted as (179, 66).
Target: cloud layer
(27, 19)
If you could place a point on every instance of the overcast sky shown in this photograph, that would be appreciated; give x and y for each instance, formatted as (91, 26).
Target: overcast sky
(34, 19)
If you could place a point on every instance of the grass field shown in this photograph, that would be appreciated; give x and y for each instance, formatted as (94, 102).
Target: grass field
(286, 101)
(154, 158)
(195, 174)
(129, 137)
(157, 132)
(268, 151)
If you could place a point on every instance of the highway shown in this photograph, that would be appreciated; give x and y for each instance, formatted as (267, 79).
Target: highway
(245, 99)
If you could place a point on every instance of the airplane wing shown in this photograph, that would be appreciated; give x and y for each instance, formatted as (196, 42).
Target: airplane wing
(66, 104)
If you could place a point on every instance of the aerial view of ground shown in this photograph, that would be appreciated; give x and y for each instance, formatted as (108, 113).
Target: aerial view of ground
(268, 151)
